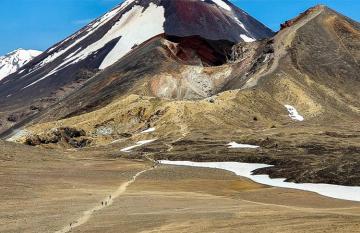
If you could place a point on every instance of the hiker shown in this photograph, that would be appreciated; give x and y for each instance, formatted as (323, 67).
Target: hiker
(105, 202)
(102, 203)
(110, 197)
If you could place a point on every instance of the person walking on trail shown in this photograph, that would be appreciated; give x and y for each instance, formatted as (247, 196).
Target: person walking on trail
(102, 203)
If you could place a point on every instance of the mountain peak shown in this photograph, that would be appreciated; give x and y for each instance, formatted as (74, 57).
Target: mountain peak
(13, 61)
(311, 11)
(109, 38)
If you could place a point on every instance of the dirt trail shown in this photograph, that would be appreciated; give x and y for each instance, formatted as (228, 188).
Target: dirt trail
(180, 121)
(307, 209)
(108, 201)
(282, 42)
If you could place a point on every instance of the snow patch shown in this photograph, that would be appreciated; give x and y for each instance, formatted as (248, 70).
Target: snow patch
(127, 29)
(13, 61)
(246, 38)
(351, 193)
(222, 4)
(91, 28)
(293, 113)
(18, 134)
(237, 145)
(138, 144)
(148, 130)
(131, 32)
(116, 141)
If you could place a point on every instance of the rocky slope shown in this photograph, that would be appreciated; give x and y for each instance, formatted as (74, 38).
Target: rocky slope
(97, 47)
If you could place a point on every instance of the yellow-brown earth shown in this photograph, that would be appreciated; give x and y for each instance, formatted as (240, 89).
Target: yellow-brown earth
(46, 190)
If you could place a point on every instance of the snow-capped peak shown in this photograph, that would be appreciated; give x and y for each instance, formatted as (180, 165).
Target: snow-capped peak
(13, 61)
(117, 33)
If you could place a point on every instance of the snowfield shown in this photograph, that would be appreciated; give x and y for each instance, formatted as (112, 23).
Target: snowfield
(129, 31)
(351, 193)
(138, 144)
(13, 61)
(150, 130)
(246, 38)
(129, 25)
(237, 145)
(18, 134)
(222, 4)
(293, 113)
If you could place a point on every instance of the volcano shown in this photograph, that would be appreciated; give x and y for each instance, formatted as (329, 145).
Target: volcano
(110, 37)
(69, 64)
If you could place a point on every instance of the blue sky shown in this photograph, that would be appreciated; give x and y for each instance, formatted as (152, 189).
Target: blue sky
(38, 24)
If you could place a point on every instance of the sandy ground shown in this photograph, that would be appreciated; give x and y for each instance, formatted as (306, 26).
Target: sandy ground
(178, 199)
(44, 191)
